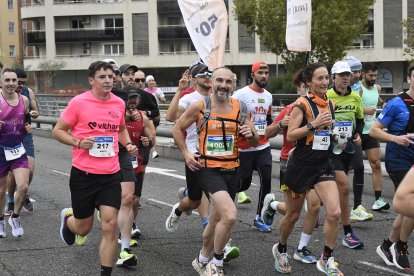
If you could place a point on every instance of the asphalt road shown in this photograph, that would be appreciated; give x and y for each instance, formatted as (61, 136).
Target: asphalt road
(41, 252)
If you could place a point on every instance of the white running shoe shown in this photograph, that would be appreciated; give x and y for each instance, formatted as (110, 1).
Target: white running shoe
(171, 224)
(2, 228)
(17, 229)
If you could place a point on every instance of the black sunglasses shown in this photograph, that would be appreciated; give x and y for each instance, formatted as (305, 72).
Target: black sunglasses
(21, 82)
(139, 80)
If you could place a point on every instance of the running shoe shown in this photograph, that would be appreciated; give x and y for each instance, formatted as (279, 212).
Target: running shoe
(281, 261)
(65, 234)
(9, 209)
(132, 242)
(2, 228)
(213, 270)
(242, 198)
(384, 253)
(380, 204)
(17, 229)
(182, 193)
(81, 240)
(400, 256)
(329, 267)
(28, 205)
(352, 241)
(171, 224)
(155, 154)
(199, 266)
(258, 224)
(135, 232)
(360, 214)
(230, 252)
(305, 256)
(267, 213)
(126, 258)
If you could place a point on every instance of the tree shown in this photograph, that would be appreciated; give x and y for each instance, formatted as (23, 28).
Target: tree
(408, 34)
(50, 69)
(334, 25)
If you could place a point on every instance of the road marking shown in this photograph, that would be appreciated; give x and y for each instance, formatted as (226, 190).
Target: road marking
(167, 204)
(56, 171)
(163, 172)
(383, 268)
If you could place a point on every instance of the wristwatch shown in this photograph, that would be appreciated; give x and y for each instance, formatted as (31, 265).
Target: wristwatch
(310, 127)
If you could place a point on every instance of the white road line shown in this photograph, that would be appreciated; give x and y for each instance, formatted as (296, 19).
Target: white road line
(56, 171)
(167, 204)
(393, 271)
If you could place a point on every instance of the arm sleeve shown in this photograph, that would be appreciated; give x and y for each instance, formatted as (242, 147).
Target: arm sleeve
(149, 104)
(359, 126)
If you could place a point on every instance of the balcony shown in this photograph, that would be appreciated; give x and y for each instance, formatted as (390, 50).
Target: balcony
(172, 31)
(76, 35)
(35, 37)
(33, 3)
(86, 1)
(168, 6)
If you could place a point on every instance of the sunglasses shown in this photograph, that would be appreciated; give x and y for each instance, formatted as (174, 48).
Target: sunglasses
(204, 75)
(21, 82)
(139, 80)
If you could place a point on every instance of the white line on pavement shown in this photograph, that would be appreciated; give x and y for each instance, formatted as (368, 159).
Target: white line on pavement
(383, 268)
(167, 204)
(56, 171)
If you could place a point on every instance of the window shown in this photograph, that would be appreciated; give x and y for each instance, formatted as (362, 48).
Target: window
(392, 23)
(77, 24)
(10, 4)
(140, 34)
(246, 41)
(114, 49)
(11, 27)
(12, 50)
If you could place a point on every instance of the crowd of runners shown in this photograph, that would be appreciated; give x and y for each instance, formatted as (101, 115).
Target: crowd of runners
(223, 135)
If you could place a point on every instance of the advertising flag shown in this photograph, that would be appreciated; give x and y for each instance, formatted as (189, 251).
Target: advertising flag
(298, 25)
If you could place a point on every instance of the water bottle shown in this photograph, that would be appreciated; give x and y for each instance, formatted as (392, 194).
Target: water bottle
(341, 141)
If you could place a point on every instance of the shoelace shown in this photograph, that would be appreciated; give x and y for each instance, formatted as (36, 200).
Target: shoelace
(306, 252)
(16, 223)
(284, 257)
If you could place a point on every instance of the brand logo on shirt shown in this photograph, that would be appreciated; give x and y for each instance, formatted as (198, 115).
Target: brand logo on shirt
(346, 108)
(105, 126)
(113, 114)
(261, 100)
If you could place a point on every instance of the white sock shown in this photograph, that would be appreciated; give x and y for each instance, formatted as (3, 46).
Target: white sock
(125, 243)
(218, 262)
(304, 240)
(274, 204)
(202, 259)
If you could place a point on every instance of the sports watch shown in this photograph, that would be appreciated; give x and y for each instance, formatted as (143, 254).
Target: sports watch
(310, 127)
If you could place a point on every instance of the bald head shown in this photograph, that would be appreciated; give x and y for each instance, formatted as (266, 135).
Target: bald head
(223, 83)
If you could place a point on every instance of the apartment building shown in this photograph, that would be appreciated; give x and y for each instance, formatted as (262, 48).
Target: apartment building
(10, 33)
(152, 35)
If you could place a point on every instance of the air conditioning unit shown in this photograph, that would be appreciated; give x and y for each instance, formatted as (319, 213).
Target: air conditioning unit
(86, 20)
(86, 45)
(86, 51)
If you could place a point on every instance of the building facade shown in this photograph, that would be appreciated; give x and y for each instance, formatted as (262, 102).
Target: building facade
(10, 33)
(151, 34)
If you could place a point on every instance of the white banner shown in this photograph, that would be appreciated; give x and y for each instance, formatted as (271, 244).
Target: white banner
(298, 25)
(207, 24)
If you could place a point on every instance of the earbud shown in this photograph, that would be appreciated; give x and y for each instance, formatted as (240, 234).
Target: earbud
(409, 81)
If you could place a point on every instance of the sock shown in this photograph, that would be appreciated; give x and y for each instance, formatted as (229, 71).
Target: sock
(402, 246)
(2, 218)
(304, 240)
(218, 259)
(10, 198)
(281, 248)
(177, 212)
(204, 222)
(106, 271)
(347, 229)
(358, 190)
(202, 259)
(274, 204)
(327, 253)
(258, 217)
(377, 194)
(134, 225)
(125, 243)
(388, 243)
(14, 215)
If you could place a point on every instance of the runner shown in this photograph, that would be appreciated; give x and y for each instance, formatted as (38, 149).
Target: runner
(218, 117)
(259, 105)
(96, 121)
(154, 90)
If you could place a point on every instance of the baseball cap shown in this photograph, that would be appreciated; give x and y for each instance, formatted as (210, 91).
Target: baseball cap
(20, 72)
(114, 65)
(131, 90)
(354, 63)
(126, 66)
(197, 69)
(340, 67)
(259, 65)
(133, 93)
(149, 78)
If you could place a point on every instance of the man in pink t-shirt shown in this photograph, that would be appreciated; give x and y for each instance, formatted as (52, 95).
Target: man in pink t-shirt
(96, 119)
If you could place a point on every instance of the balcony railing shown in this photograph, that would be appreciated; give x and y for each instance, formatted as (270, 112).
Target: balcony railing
(35, 37)
(29, 3)
(86, 1)
(172, 31)
(75, 35)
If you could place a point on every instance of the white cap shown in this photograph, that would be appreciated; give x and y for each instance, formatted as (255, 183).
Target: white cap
(340, 67)
(149, 78)
(112, 62)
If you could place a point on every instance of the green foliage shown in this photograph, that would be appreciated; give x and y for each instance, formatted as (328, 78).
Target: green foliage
(50, 69)
(334, 25)
(282, 84)
(408, 34)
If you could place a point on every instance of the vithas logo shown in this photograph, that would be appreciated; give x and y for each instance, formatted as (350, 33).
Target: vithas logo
(92, 125)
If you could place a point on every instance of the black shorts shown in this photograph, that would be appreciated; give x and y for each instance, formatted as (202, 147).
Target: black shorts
(282, 171)
(29, 145)
(342, 162)
(93, 190)
(127, 172)
(367, 142)
(300, 178)
(251, 160)
(195, 192)
(397, 177)
(145, 151)
(214, 180)
(138, 184)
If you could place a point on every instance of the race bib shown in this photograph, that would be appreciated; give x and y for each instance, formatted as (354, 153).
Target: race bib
(321, 140)
(215, 145)
(15, 152)
(134, 161)
(343, 128)
(103, 147)
(260, 127)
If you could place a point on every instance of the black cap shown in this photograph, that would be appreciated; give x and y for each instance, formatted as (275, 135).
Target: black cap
(126, 66)
(20, 72)
(199, 68)
(130, 90)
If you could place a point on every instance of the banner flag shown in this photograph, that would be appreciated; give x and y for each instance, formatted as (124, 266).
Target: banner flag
(298, 25)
